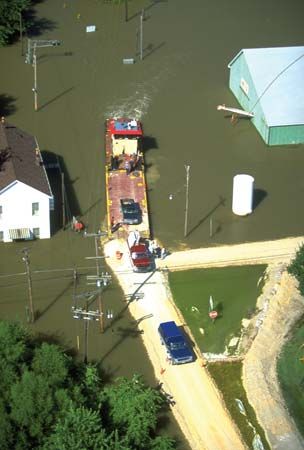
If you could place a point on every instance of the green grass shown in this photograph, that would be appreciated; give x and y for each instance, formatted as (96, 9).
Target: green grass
(227, 376)
(291, 374)
(234, 291)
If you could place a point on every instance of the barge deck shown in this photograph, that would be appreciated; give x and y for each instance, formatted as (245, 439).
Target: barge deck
(125, 175)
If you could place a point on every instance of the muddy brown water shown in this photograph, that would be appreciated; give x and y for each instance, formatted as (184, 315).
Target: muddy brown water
(174, 90)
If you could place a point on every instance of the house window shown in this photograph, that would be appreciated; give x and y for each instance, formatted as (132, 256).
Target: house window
(52, 204)
(1, 236)
(36, 233)
(35, 209)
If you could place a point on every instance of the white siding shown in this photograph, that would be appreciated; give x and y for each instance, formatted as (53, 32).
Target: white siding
(16, 202)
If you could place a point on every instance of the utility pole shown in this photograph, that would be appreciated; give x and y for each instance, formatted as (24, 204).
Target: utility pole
(31, 58)
(99, 285)
(126, 10)
(86, 334)
(35, 79)
(187, 167)
(210, 227)
(26, 260)
(74, 283)
(86, 315)
(141, 34)
(101, 279)
(63, 200)
(20, 28)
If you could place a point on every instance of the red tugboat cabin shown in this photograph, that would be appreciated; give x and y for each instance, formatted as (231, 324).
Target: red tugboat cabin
(125, 127)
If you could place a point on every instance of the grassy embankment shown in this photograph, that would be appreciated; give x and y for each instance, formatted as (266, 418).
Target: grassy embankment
(291, 374)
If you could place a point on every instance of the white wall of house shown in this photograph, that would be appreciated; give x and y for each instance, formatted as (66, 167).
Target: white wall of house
(17, 210)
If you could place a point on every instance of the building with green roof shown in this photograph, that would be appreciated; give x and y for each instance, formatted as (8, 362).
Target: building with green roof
(269, 82)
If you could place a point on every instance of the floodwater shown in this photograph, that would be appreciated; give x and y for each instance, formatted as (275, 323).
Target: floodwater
(174, 90)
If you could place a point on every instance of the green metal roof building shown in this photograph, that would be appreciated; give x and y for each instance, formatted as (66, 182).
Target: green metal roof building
(269, 82)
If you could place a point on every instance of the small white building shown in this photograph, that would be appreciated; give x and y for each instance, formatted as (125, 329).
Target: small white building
(25, 193)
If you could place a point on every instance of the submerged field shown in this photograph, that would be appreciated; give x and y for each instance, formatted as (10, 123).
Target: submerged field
(234, 291)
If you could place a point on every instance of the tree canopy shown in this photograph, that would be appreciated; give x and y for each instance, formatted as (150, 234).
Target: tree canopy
(10, 11)
(296, 268)
(50, 401)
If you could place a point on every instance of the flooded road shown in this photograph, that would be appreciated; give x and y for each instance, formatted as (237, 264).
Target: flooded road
(174, 90)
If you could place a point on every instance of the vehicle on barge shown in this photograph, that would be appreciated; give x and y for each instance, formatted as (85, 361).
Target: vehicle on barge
(125, 177)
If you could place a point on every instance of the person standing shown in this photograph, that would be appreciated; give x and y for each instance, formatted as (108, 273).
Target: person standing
(163, 253)
(127, 167)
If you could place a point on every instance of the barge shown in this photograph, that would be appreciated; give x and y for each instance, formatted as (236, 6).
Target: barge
(125, 178)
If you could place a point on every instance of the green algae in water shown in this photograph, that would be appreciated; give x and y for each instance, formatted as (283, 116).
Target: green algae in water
(228, 377)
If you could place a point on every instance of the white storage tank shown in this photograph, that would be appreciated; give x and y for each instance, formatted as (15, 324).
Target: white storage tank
(242, 200)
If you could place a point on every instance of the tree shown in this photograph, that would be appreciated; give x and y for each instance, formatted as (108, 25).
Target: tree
(10, 11)
(296, 268)
(32, 405)
(50, 401)
(80, 429)
(92, 387)
(133, 410)
(6, 435)
(14, 352)
(50, 362)
(162, 443)
(14, 342)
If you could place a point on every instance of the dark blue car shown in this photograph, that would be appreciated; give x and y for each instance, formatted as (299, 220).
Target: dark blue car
(131, 212)
(177, 347)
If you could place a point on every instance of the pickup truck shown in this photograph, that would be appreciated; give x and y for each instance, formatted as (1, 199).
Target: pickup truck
(140, 257)
(175, 342)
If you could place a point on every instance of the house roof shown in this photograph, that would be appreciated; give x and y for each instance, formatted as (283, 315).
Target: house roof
(19, 160)
(277, 74)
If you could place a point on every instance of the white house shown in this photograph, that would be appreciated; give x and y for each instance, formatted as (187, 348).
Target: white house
(25, 193)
